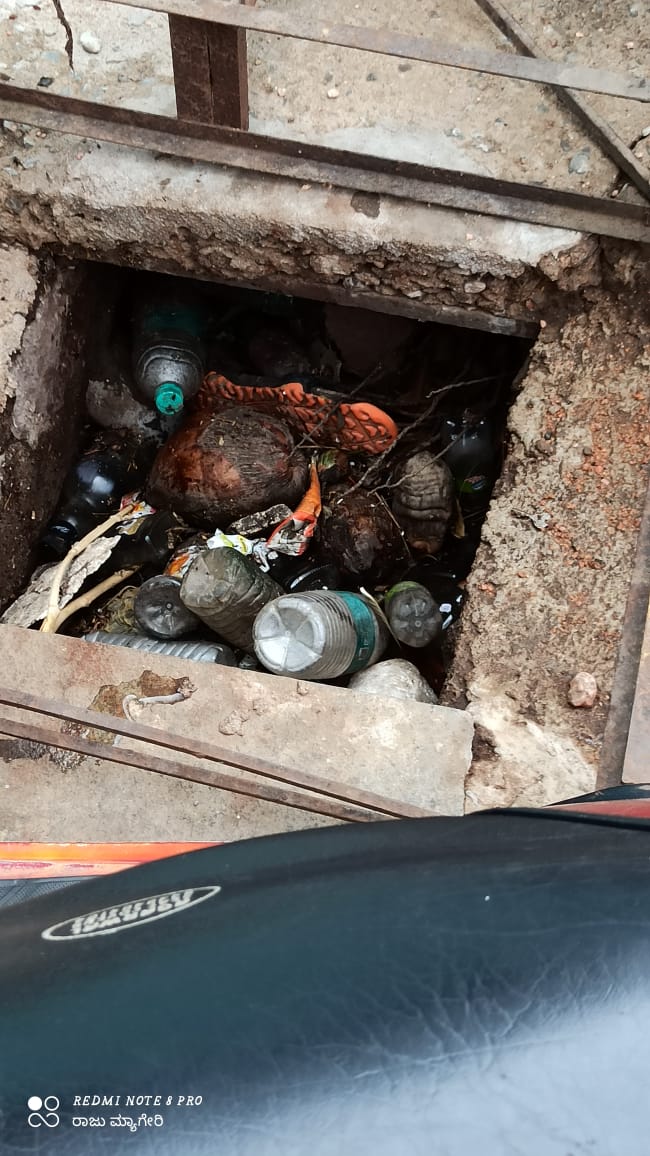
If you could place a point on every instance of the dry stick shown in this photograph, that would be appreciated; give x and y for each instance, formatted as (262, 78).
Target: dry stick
(407, 429)
(53, 609)
(200, 749)
(309, 438)
(178, 770)
(90, 596)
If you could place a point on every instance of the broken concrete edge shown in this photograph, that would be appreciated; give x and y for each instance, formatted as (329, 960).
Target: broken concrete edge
(119, 205)
(19, 286)
(549, 587)
(408, 751)
(45, 307)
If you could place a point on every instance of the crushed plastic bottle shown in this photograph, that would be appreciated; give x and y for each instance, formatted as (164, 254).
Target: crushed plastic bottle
(195, 651)
(394, 678)
(319, 634)
(413, 614)
(227, 590)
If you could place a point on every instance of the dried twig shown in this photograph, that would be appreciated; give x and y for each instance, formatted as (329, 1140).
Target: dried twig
(308, 439)
(53, 610)
(379, 461)
(69, 43)
(91, 596)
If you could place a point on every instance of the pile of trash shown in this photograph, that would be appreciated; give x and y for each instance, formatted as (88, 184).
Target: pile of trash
(281, 512)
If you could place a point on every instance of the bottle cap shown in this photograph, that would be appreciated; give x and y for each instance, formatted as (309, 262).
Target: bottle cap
(169, 398)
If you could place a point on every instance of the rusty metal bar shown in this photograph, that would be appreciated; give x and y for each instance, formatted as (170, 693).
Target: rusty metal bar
(636, 767)
(626, 744)
(389, 43)
(191, 64)
(600, 130)
(210, 71)
(199, 749)
(178, 770)
(469, 192)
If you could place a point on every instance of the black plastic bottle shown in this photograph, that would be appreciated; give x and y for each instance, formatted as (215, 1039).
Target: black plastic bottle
(471, 457)
(93, 490)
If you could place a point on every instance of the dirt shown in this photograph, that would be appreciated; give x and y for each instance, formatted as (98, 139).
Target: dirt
(548, 590)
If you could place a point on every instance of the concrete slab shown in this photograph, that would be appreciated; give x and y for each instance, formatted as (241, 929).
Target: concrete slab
(410, 751)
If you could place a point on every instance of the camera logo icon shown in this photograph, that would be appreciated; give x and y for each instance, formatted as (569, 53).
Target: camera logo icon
(43, 1112)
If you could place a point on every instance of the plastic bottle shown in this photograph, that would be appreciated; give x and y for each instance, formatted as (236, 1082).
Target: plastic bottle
(227, 590)
(92, 491)
(443, 588)
(319, 634)
(471, 458)
(314, 576)
(148, 541)
(394, 678)
(196, 651)
(168, 352)
(413, 613)
(158, 609)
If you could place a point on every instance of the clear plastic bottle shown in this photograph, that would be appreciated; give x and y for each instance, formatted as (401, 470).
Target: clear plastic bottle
(413, 613)
(319, 634)
(226, 590)
(158, 609)
(168, 352)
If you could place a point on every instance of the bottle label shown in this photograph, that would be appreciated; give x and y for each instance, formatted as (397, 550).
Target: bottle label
(473, 484)
(366, 630)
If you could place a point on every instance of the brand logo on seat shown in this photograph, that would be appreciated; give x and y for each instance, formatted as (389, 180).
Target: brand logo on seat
(109, 920)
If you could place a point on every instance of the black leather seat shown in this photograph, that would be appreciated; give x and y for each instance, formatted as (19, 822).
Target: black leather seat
(460, 987)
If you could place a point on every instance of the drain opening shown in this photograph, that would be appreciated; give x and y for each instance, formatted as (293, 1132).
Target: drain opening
(383, 436)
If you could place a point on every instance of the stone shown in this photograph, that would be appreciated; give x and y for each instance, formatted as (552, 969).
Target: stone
(583, 690)
(579, 163)
(90, 43)
(333, 93)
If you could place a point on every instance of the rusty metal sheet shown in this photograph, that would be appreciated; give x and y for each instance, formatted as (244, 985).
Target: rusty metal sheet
(214, 144)
(389, 43)
(600, 130)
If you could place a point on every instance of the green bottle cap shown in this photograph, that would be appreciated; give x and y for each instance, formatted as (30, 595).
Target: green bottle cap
(169, 398)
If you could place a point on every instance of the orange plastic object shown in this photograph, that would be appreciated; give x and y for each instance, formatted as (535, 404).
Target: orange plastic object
(351, 425)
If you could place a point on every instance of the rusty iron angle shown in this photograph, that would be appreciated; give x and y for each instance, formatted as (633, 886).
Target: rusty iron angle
(235, 784)
(388, 43)
(304, 161)
(199, 749)
(599, 128)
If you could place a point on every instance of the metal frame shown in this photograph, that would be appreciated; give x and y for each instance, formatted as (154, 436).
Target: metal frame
(209, 35)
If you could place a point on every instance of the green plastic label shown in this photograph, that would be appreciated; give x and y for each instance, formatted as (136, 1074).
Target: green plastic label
(366, 628)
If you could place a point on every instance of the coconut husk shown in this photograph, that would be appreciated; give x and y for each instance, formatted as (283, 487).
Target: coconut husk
(357, 533)
(221, 466)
